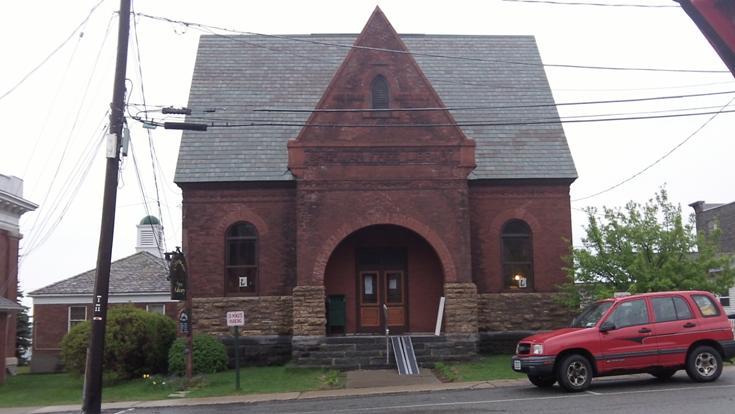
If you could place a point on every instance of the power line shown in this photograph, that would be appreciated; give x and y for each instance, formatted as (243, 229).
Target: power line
(448, 108)
(432, 55)
(649, 166)
(472, 108)
(40, 233)
(145, 200)
(583, 3)
(53, 52)
(150, 141)
(270, 123)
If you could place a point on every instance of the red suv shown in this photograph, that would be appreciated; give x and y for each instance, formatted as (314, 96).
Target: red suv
(658, 333)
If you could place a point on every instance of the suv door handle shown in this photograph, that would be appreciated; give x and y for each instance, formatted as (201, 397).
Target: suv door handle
(644, 330)
(690, 325)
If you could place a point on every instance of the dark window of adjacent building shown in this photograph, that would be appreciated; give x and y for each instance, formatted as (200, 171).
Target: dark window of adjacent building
(706, 306)
(159, 308)
(670, 309)
(77, 315)
(380, 93)
(724, 297)
(241, 259)
(517, 255)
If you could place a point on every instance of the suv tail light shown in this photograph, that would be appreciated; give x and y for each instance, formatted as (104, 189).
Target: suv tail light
(732, 325)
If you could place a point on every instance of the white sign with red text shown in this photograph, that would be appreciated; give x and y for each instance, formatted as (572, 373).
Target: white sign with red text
(236, 318)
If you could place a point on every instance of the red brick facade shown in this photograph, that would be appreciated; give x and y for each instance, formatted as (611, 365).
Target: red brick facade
(363, 182)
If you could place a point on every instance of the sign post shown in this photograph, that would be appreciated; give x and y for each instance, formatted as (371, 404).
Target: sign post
(236, 319)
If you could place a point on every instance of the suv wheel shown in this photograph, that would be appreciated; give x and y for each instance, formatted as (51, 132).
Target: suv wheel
(704, 364)
(541, 381)
(574, 373)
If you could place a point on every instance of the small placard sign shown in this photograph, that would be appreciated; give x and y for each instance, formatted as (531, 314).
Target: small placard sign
(236, 318)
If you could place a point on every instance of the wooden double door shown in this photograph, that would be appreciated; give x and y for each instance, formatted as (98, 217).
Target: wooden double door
(381, 285)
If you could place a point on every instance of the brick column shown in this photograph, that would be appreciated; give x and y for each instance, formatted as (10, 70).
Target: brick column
(309, 312)
(460, 308)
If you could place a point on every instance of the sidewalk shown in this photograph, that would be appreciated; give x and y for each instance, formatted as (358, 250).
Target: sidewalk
(359, 383)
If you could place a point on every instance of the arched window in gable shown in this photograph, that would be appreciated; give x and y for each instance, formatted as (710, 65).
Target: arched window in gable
(517, 255)
(241, 259)
(380, 95)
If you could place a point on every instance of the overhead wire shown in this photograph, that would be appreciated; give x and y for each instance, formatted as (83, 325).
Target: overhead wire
(271, 123)
(664, 156)
(53, 52)
(431, 55)
(150, 140)
(62, 158)
(145, 199)
(254, 108)
(40, 233)
(589, 3)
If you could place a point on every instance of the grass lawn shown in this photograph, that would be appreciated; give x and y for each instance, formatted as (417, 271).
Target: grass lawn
(54, 389)
(485, 368)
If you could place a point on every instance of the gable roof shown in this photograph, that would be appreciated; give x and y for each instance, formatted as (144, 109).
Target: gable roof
(138, 274)
(234, 74)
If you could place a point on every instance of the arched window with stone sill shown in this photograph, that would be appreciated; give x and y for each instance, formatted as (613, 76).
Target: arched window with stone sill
(241, 259)
(517, 255)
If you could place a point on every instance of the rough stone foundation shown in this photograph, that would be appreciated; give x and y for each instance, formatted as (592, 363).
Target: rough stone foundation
(259, 350)
(264, 315)
(502, 312)
(368, 352)
(309, 312)
(460, 308)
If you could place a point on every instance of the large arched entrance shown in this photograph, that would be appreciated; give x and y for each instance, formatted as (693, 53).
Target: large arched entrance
(385, 266)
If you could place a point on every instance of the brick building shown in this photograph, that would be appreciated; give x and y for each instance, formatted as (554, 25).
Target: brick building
(344, 192)
(721, 217)
(138, 279)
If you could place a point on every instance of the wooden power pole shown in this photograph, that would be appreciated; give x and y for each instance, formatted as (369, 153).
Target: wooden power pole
(93, 373)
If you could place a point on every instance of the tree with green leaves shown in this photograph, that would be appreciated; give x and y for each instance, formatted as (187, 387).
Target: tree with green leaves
(644, 248)
(22, 333)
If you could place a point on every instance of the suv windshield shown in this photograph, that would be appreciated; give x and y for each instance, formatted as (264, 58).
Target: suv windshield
(591, 315)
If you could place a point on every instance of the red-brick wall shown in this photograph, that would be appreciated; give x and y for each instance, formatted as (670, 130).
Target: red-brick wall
(546, 209)
(210, 209)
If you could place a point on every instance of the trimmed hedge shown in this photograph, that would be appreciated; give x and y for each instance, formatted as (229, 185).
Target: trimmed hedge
(209, 355)
(136, 343)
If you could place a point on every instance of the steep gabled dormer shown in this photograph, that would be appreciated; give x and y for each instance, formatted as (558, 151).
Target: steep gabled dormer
(366, 124)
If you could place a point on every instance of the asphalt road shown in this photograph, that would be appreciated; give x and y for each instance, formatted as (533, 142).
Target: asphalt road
(620, 395)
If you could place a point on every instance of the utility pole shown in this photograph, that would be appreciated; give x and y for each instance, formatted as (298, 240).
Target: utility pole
(93, 373)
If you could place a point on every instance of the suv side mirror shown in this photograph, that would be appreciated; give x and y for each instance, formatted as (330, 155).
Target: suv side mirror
(607, 326)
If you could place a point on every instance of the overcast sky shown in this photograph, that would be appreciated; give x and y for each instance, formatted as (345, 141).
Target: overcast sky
(52, 121)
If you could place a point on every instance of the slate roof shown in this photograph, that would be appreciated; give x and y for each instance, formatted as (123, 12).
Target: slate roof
(135, 274)
(236, 73)
(7, 305)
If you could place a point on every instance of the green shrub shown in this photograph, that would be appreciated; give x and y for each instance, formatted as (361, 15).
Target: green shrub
(136, 343)
(209, 355)
(74, 348)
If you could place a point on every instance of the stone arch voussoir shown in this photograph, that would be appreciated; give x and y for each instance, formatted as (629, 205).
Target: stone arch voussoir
(431, 237)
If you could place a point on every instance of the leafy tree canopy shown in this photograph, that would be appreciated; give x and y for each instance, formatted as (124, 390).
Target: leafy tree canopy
(644, 248)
